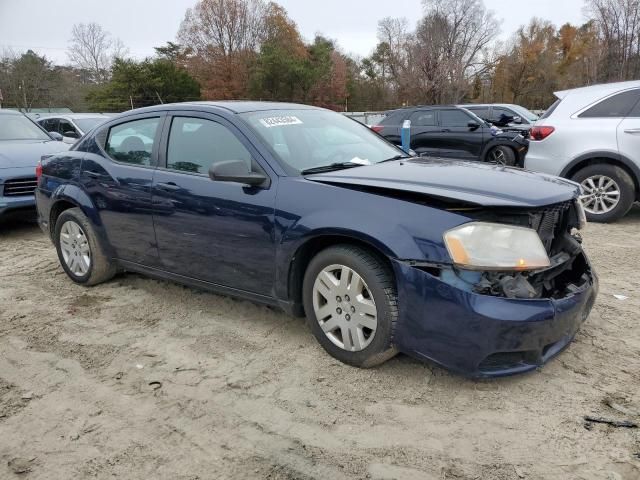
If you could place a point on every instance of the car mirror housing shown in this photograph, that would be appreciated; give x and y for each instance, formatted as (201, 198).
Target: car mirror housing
(71, 134)
(56, 136)
(473, 125)
(236, 171)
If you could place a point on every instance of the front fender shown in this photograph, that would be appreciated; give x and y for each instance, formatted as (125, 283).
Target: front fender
(397, 228)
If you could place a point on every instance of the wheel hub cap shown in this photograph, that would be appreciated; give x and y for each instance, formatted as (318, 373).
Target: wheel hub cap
(344, 308)
(601, 194)
(75, 248)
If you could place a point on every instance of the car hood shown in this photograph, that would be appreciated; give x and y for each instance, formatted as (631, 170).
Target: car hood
(26, 153)
(468, 182)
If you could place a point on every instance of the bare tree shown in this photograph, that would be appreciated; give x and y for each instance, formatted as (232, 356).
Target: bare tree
(619, 23)
(93, 49)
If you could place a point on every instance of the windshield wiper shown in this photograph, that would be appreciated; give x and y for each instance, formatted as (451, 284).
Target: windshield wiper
(397, 157)
(331, 168)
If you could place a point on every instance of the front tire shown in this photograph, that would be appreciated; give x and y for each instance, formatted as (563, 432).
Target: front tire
(79, 250)
(609, 192)
(350, 301)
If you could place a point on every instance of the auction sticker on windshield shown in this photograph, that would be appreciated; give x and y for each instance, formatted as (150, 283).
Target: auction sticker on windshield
(280, 121)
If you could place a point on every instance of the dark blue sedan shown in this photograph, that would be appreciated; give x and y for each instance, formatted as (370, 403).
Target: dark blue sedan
(476, 267)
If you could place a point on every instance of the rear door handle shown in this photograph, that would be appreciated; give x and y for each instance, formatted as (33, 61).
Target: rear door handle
(633, 131)
(169, 186)
(445, 130)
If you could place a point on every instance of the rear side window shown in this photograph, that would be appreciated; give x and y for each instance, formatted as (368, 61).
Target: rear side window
(132, 142)
(454, 118)
(423, 118)
(617, 106)
(550, 110)
(196, 143)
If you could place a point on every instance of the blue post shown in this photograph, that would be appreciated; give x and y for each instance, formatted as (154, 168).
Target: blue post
(405, 135)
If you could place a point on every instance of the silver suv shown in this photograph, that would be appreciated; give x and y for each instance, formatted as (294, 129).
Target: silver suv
(592, 136)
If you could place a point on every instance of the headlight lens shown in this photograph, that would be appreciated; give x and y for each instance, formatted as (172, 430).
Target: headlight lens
(494, 246)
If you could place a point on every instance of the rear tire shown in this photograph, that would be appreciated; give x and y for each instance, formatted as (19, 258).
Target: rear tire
(502, 155)
(350, 301)
(79, 250)
(602, 185)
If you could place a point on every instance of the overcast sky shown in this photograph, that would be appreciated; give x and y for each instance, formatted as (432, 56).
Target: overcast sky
(45, 26)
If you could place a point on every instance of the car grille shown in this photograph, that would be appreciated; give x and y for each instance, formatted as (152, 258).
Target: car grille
(550, 222)
(20, 186)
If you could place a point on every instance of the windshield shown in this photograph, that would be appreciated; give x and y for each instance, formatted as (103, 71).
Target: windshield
(304, 139)
(87, 124)
(529, 115)
(19, 127)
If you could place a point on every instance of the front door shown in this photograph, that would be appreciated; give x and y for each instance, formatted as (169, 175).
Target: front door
(218, 232)
(457, 138)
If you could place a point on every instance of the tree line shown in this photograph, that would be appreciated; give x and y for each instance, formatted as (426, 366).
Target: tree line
(251, 49)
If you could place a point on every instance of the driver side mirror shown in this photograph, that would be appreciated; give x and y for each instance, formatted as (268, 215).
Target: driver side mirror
(236, 171)
(517, 120)
(473, 125)
(71, 134)
(56, 136)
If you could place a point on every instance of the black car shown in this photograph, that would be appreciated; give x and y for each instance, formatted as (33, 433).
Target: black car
(454, 132)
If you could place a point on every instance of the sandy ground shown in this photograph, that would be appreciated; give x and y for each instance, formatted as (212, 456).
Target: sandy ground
(245, 391)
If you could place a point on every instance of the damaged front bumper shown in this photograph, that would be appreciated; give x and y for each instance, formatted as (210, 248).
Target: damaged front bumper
(483, 335)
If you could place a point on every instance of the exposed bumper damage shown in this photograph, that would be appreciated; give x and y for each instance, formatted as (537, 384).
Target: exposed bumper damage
(487, 324)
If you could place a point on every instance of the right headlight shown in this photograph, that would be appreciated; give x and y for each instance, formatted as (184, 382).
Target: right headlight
(495, 246)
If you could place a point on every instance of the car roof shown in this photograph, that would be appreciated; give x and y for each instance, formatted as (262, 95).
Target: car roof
(233, 106)
(601, 89)
(4, 111)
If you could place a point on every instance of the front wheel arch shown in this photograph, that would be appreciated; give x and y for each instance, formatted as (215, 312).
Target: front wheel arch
(308, 250)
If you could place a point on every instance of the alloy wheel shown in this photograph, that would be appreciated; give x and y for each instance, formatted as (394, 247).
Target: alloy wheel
(601, 194)
(74, 246)
(497, 156)
(345, 308)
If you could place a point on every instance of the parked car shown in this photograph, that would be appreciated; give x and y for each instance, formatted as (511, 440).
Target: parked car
(72, 126)
(453, 132)
(22, 144)
(473, 266)
(504, 115)
(592, 136)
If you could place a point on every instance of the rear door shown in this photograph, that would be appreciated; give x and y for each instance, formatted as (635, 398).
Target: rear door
(629, 133)
(424, 132)
(456, 138)
(118, 175)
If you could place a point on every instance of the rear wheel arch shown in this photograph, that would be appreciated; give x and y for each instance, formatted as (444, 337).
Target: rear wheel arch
(56, 210)
(309, 249)
(582, 162)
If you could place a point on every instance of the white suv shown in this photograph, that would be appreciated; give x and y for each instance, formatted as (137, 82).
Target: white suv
(592, 136)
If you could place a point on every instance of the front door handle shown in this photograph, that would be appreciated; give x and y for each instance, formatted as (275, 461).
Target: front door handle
(445, 130)
(633, 131)
(169, 186)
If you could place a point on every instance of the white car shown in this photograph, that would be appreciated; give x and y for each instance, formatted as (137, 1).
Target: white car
(592, 136)
(71, 126)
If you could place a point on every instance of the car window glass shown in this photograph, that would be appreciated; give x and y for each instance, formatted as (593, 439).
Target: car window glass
(619, 105)
(499, 112)
(65, 126)
(454, 118)
(482, 112)
(196, 143)
(635, 111)
(132, 142)
(51, 125)
(423, 118)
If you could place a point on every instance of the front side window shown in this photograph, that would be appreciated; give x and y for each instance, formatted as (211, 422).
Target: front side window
(454, 118)
(196, 143)
(132, 142)
(424, 118)
(482, 112)
(66, 127)
(309, 138)
(617, 106)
